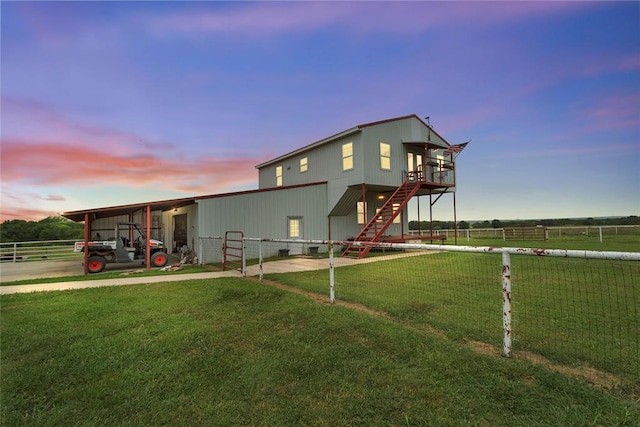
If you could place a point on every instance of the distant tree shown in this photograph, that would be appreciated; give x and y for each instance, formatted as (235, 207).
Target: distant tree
(496, 223)
(51, 228)
(588, 221)
(463, 225)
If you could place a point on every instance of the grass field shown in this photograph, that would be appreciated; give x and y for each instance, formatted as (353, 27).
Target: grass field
(235, 352)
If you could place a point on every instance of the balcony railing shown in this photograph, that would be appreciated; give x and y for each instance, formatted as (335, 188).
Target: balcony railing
(436, 172)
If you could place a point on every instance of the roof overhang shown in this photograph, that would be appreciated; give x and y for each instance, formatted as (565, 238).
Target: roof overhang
(167, 205)
(112, 211)
(431, 145)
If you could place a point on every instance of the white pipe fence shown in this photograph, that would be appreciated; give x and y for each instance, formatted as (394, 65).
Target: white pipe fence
(552, 232)
(38, 250)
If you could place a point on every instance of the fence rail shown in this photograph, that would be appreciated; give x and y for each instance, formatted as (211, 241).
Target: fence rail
(603, 232)
(576, 307)
(38, 251)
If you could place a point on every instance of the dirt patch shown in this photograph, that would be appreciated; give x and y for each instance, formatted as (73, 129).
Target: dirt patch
(483, 348)
(321, 298)
(591, 375)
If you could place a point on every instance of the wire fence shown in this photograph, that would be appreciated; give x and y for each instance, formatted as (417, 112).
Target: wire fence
(579, 308)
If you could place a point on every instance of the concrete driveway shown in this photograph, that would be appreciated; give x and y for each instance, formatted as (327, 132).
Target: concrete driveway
(47, 269)
(28, 270)
(14, 271)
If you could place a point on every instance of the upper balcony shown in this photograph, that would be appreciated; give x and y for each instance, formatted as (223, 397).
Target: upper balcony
(435, 172)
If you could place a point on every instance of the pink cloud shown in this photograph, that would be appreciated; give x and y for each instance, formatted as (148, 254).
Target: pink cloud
(26, 207)
(46, 164)
(611, 112)
(26, 214)
(34, 121)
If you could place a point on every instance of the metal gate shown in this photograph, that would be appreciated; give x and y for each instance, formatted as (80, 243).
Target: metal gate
(232, 250)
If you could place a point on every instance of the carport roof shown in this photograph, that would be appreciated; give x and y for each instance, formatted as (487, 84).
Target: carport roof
(106, 212)
(166, 205)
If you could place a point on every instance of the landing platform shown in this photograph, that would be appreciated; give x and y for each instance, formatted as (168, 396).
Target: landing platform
(410, 238)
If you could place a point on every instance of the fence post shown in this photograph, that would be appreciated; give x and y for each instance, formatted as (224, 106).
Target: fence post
(15, 249)
(506, 304)
(244, 257)
(600, 231)
(332, 288)
(260, 258)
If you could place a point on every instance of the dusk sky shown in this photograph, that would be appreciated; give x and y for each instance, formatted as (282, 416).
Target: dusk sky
(112, 103)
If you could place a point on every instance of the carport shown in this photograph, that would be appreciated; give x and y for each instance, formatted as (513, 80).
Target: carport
(90, 215)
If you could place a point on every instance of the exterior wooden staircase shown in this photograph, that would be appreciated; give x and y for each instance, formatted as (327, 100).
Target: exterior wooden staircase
(374, 230)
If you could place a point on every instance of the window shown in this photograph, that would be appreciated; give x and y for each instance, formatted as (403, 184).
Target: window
(278, 176)
(361, 212)
(397, 219)
(410, 162)
(295, 227)
(385, 156)
(303, 164)
(347, 156)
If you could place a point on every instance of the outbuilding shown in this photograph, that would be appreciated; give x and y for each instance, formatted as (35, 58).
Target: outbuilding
(355, 184)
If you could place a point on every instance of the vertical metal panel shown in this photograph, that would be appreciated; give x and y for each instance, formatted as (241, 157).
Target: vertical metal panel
(324, 164)
(264, 214)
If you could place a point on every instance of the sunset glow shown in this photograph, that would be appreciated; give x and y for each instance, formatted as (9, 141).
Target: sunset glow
(112, 103)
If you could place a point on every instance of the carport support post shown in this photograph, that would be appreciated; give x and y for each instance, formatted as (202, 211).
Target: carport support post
(148, 250)
(87, 232)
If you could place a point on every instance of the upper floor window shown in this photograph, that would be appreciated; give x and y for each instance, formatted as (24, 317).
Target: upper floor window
(385, 156)
(347, 156)
(304, 164)
(278, 176)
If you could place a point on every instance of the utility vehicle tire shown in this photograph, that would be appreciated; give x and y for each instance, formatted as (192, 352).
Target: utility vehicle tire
(159, 259)
(95, 264)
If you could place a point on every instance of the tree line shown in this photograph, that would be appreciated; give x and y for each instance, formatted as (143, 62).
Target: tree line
(496, 223)
(61, 228)
(51, 228)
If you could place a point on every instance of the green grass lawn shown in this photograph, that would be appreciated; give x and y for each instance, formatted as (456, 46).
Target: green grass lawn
(233, 352)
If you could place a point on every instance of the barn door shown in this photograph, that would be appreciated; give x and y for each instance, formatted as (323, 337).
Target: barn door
(180, 237)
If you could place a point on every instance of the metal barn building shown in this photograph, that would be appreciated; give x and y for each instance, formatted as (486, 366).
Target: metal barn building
(353, 185)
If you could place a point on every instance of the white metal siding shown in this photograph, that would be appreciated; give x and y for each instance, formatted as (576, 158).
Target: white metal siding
(264, 214)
